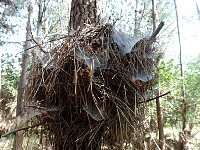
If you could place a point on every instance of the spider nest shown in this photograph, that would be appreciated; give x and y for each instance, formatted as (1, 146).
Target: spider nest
(95, 91)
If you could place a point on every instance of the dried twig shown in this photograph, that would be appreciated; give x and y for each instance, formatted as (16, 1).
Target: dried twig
(155, 33)
(20, 129)
(154, 98)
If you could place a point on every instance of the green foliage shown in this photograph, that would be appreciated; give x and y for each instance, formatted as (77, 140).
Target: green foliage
(10, 71)
(10, 76)
(169, 75)
(170, 80)
(192, 85)
(53, 24)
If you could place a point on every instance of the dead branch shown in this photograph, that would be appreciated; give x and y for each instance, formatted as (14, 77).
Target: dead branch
(155, 33)
(20, 129)
(154, 98)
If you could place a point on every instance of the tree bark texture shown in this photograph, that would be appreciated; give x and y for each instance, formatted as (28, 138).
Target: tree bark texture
(85, 12)
(22, 83)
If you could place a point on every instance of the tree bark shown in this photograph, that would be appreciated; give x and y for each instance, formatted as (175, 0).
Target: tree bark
(85, 12)
(0, 73)
(22, 83)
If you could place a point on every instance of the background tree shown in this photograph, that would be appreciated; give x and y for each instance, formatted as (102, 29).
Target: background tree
(22, 82)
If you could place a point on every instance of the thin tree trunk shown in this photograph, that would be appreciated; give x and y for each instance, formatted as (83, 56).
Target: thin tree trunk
(153, 15)
(41, 11)
(158, 107)
(160, 123)
(0, 73)
(183, 140)
(22, 83)
(136, 18)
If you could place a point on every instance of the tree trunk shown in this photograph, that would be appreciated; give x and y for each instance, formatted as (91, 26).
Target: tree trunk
(183, 135)
(85, 12)
(183, 138)
(158, 108)
(160, 123)
(22, 83)
(0, 73)
(41, 11)
(136, 18)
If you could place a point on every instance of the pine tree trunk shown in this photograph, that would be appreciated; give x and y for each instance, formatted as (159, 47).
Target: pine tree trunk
(22, 83)
(85, 12)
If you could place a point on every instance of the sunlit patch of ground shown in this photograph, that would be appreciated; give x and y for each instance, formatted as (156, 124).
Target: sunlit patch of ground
(32, 142)
(6, 143)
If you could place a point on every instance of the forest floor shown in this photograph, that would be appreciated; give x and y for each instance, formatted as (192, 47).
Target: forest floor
(172, 134)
